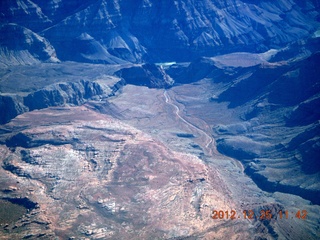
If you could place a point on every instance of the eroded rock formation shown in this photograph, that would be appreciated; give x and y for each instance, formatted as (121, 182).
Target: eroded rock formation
(135, 31)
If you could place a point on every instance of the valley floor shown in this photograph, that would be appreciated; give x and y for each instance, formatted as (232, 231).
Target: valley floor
(147, 163)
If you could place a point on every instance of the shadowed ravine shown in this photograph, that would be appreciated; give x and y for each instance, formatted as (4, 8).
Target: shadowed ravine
(143, 120)
(209, 145)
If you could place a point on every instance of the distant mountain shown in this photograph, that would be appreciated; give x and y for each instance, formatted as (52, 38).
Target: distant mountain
(148, 119)
(114, 31)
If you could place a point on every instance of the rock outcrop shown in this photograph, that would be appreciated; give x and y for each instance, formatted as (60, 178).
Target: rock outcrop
(10, 107)
(20, 45)
(278, 137)
(148, 75)
(87, 151)
(139, 31)
(114, 181)
(60, 94)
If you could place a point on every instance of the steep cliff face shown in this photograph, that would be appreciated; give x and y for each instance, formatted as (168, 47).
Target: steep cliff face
(240, 129)
(10, 107)
(277, 138)
(59, 94)
(74, 93)
(208, 27)
(135, 31)
(149, 75)
(20, 45)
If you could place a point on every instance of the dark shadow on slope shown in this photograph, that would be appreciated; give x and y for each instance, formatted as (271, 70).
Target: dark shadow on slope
(264, 184)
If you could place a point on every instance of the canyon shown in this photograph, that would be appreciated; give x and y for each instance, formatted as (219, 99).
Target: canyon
(159, 119)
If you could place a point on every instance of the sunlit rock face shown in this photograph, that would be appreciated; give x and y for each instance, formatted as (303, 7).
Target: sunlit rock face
(141, 119)
(135, 31)
(74, 93)
(103, 179)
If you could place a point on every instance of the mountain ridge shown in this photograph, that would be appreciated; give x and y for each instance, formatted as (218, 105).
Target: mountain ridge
(151, 31)
(142, 119)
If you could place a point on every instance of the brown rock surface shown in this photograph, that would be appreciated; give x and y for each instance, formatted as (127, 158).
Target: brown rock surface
(100, 178)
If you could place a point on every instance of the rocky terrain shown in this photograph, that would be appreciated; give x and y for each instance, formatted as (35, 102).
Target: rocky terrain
(55, 84)
(74, 173)
(276, 131)
(138, 31)
(82, 174)
(159, 119)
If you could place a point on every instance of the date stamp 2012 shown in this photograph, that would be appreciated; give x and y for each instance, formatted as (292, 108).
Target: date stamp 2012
(263, 215)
